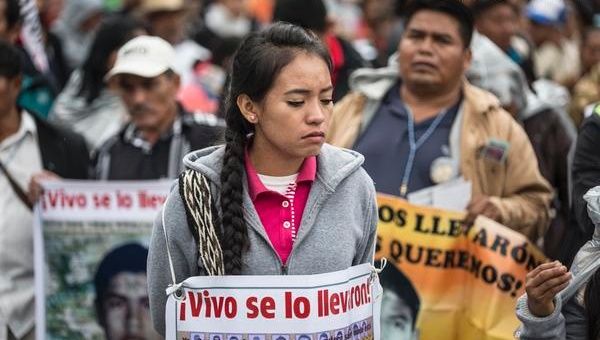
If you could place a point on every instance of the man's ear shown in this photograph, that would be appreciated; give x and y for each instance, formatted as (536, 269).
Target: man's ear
(467, 59)
(176, 81)
(17, 82)
(248, 108)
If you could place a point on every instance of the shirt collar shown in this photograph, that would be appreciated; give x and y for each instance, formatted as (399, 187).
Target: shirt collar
(26, 128)
(133, 136)
(307, 173)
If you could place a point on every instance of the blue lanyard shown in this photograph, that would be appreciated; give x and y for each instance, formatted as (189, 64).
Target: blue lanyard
(416, 144)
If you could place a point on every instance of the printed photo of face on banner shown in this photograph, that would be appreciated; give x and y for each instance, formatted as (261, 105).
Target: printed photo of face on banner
(216, 337)
(399, 305)
(121, 299)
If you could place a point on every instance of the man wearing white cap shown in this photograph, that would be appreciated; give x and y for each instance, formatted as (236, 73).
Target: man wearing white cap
(160, 132)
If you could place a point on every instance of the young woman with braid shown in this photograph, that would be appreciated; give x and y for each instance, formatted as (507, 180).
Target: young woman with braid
(283, 202)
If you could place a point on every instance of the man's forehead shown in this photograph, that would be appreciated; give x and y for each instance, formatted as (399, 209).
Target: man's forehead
(134, 78)
(446, 27)
(418, 21)
(128, 282)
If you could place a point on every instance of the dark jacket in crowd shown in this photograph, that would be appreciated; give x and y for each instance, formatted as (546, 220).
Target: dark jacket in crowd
(585, 175)
(126, 156)
(63, 152)
(552, 144)
(345, 60)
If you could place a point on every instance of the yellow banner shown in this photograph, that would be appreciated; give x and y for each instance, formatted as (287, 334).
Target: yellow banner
(463, 282)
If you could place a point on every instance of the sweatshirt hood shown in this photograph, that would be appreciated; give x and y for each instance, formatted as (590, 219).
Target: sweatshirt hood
(333, 164)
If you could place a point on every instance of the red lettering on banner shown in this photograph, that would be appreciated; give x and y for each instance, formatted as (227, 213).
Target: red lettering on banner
(252, 308)
(335, 301)
(182, 311)
(267, 307)
(195, 305)
(150, 201)
(288, 305)
(298, 306)
(214, 306)
(62, 200)
(341, 302)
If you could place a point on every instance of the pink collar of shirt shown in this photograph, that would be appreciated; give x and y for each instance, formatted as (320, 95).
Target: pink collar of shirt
(307, 173)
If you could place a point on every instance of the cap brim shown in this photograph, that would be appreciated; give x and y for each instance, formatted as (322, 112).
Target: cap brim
(540, 18)
(137, 69)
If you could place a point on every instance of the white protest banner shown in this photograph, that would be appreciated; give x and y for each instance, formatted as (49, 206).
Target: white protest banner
(342, 305)
(103, 201)
(91, 246)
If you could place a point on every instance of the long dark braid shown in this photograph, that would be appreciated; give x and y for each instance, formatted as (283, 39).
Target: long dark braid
(256, 63)
(235, 235)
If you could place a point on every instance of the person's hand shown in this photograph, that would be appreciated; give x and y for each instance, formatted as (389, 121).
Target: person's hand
(481, 205)
(35, 189)
(542, 284)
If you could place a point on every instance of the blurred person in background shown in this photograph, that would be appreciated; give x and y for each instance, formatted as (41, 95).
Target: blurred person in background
(160, 131)
(203, 94)
(87, 105)
(229, 18)
(421, 124)
(587, 89)
(499, 21)
(37, 89)
(31, 149)
(556, 57)
(168, 20)
(49, 11)
(551, 133)
(312, 15)
(76, 28)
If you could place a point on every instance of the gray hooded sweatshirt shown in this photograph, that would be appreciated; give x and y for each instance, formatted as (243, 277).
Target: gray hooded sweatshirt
(337, 230)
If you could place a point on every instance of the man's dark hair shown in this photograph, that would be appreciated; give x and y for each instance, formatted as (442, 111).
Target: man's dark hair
(481, 6)
(113, 33)
(11, 65)
(454, 8)
(309, 14)
(129, 258)
(12, 13)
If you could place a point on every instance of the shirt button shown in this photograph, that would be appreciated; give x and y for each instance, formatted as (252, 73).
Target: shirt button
(286, 224)
(285, 204)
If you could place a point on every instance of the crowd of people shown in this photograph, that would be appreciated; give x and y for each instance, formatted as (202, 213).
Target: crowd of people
(501, 93)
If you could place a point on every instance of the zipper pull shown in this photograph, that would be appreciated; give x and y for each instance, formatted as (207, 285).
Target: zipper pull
(283, 269)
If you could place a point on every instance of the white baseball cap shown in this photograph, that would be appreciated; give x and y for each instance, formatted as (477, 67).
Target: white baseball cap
(144, 56)
(152, 6)
(547, 12)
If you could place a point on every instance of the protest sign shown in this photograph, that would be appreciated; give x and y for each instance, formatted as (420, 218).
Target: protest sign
(91, 241)
(342, 305)
(466, 280)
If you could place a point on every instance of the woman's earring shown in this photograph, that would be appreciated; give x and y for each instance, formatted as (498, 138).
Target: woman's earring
(252, 118)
